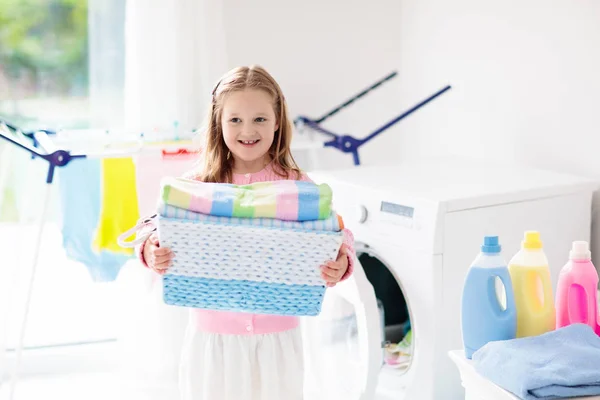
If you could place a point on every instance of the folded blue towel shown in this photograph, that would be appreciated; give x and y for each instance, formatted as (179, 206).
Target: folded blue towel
(558, 364)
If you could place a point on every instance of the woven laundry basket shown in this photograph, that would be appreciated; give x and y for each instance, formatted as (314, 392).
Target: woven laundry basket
(258, 266)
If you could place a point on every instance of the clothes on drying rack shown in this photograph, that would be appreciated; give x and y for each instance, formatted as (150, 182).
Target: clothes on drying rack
(79, 188)
(8, 210)
(101, 196)
(119, 209)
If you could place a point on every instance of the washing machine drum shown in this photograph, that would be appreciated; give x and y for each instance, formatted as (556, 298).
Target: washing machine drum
(386, 289)
(338, 319)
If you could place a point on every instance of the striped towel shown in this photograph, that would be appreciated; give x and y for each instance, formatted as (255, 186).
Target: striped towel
(333, 224)
(284, 200)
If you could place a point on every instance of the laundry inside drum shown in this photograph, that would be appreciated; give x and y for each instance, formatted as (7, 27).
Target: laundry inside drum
(397, 332)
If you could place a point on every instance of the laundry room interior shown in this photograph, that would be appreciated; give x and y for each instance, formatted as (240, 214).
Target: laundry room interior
(216, 199)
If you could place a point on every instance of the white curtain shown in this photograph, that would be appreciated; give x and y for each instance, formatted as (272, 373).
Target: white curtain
(106, 22)
(175, 50)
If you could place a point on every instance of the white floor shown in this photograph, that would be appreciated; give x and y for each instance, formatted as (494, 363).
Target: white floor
(68, 387)
(83, 372)
(88, 386)
(107, 385)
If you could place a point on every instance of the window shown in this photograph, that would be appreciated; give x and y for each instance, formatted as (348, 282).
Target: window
(61, 62)
(61, 66)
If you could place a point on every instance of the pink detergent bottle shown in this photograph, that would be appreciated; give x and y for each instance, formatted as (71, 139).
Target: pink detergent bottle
(576, 292)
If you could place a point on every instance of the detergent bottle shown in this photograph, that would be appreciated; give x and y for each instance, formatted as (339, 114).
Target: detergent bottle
(487, 314)
(577, 290)
(532, 286)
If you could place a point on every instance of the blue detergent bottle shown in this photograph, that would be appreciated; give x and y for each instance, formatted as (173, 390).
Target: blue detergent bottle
(488, 309)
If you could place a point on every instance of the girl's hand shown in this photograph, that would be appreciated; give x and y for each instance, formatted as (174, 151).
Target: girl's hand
(158, 258)
(333, 271)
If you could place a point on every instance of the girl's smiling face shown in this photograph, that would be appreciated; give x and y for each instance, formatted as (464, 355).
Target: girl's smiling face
(249, 124)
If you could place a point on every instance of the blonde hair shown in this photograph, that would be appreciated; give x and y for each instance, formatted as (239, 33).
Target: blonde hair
(217, 165)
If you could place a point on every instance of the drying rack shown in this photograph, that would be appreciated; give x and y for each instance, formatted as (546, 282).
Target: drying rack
(348, 143)
(46, 145)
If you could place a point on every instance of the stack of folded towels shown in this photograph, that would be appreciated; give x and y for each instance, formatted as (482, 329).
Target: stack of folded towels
(251, 248)
(295, 204)
(560, 364)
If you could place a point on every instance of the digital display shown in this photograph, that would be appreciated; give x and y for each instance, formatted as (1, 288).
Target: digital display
(397, 209)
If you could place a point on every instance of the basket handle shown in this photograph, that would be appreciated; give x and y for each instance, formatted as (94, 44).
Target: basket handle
(143, 222)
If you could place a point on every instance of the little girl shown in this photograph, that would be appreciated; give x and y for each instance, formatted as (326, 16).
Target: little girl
(231, 355)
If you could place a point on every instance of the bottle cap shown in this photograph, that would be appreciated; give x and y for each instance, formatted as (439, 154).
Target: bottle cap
(580, 250)
(491, 245)
(532, 240)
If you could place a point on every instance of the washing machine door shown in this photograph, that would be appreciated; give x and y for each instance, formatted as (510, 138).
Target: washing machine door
(343, 345)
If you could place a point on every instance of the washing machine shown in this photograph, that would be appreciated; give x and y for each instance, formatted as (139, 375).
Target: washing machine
(385, 333)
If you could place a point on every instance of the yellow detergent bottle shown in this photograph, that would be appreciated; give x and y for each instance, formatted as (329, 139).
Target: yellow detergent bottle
(534, 299)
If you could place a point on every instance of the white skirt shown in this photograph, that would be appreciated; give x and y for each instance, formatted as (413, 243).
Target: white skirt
(241, 367)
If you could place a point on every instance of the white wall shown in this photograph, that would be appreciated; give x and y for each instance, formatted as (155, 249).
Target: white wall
(525, 76)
